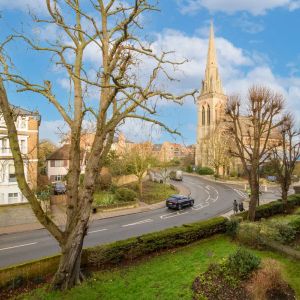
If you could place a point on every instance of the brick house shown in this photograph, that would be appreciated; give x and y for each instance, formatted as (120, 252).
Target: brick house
(27, 125)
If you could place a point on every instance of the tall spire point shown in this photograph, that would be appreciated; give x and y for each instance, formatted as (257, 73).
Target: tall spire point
(212, 82)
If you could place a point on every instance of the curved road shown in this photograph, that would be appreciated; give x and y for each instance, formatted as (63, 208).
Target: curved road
(211, 199)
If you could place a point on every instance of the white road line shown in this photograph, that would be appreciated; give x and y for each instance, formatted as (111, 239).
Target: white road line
(18, 246)
(137, 223)
(99, 230)
(174, 214)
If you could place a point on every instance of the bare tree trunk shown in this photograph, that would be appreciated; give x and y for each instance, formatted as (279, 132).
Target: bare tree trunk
(284, 195)
(68, 273)
(254, 187)
(140, 183)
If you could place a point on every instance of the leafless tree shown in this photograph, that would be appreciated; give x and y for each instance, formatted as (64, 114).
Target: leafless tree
(255, 134)
(113, 28)
(286, 154)
(219, 145)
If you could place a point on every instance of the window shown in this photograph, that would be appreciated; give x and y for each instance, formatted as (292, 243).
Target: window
(12, 174)
(208, 115)
(21, 123)
(58, 163)
(23, 146)
(5, 146)
(13, 197)
(203, 116)
(58, 177)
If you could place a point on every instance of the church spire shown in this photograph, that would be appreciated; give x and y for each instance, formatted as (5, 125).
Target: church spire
(212, 82)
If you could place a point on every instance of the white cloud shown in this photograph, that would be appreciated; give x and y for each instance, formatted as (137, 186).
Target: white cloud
(53, 130)
(232, 6)
(36, 6)
(137, 130)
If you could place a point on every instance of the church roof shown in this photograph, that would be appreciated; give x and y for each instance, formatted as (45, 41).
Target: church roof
(212, 81)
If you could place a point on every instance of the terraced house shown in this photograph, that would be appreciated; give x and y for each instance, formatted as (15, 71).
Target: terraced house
(27, 124)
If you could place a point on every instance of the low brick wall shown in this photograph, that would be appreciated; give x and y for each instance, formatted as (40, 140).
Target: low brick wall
(58, 199)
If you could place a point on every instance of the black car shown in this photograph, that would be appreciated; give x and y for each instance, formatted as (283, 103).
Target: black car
(179, 201)
(59, 188)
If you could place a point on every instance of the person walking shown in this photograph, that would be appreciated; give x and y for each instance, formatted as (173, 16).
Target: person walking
(241, 206)
(235, 207)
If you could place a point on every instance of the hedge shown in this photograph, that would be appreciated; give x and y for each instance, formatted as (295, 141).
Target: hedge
(272, 208)
(133, 248)
(117, 252)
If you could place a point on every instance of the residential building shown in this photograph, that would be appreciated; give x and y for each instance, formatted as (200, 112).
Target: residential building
(58, 164)
(27, 125)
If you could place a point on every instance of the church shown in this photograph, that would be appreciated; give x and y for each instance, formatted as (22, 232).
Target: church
(210, 105)
(214, 144)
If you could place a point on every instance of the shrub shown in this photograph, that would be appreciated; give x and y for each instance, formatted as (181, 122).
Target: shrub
(285, 232)
(189, 169)
(205, 171)
(232, 226)
(273, 208)
(295, 224)
(125, 195)
(133, 248)
(266, 279)
(242, 263)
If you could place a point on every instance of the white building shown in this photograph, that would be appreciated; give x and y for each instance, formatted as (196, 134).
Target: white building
(27, 125)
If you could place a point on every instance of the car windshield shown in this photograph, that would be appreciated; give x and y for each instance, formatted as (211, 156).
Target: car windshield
(60, 185)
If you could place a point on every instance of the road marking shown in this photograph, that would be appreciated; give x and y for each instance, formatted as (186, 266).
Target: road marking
(18, 246)
(240, 193)
(99, 230)
(137, 223)
(174, 214)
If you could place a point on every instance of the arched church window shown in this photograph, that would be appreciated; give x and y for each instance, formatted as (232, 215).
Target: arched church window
(203, 115)
(208, 115)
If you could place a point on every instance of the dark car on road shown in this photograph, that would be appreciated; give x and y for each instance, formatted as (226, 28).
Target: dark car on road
(179, 202)
(59, 188)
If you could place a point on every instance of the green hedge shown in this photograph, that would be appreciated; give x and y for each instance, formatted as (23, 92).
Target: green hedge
(205, 171)
(117, 252)
(133, 248)
(272, 208)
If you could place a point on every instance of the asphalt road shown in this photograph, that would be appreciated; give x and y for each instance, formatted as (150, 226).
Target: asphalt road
(211, 199)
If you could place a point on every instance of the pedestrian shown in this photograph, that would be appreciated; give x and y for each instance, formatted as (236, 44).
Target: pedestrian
(241, 207)
(235, 207)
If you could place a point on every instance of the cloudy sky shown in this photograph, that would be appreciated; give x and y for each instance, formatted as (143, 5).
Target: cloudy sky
(257, 42)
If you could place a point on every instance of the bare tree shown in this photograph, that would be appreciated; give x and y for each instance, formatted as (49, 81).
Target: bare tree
(219, 144)
(113, 29)
(285, 155)
(139, 159)
(255, 134)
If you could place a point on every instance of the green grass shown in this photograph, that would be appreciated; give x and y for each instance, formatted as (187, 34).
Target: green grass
(104, 198)
(154, 192)
(166, 276)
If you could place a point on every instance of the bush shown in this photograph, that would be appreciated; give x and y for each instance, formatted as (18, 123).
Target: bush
(205, 171)
(242, 263)
(273, 208)
(232, 226)
(125, 195)
(189, 169)
(285, 232)
(266, 279)
(128, 250)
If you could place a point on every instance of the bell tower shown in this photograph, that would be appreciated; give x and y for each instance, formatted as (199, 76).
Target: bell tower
(210, 104)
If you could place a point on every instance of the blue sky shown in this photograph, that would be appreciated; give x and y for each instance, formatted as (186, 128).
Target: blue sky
(257, 42)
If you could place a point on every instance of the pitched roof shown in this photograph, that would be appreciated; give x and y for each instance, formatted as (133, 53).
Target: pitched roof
(61, 153)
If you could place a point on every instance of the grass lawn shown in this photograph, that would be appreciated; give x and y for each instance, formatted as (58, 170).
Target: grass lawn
(154, 192)
(104, 198)
(166, 276)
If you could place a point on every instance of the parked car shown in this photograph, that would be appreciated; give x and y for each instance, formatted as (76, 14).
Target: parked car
(59, 188)
(176, 175)
(179, 202)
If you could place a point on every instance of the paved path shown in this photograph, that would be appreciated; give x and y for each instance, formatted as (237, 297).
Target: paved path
(211, 199)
